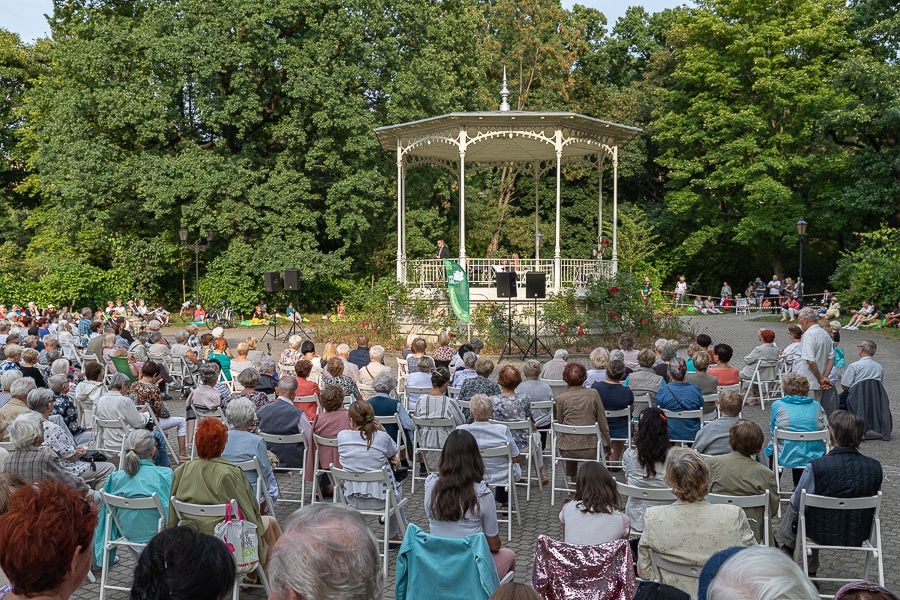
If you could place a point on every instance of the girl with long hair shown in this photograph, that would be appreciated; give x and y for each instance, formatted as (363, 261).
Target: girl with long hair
(644, 465)
(458, 502)
(593, 516)
(367, 447)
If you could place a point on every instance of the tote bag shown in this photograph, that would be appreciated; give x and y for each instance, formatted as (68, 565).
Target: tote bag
(240, 537)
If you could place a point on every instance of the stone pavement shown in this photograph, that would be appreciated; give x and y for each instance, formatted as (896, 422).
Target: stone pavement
(539, 517)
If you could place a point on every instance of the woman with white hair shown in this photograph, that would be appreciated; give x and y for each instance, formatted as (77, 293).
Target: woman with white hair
(139, 478)
(6, 380)
(491, 435)
(65, 408)
(553, 368)
(116, 405)
(291, 355)
(61, 445)
(599, 360)
(368, 373)
(243, 445)
(386, 405)
(29, 461)
(249, 379)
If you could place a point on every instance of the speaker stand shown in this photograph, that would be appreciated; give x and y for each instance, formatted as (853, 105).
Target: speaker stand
(536, 341)
(510, 342)
(294, 324)
(273, 328)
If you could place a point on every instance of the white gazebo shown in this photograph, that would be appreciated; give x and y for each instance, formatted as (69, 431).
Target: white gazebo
(527, 142)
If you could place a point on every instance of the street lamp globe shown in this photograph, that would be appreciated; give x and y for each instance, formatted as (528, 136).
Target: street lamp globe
(183, 235)
(801, 227)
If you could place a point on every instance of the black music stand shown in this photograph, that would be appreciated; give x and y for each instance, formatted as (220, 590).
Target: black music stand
(506, 287)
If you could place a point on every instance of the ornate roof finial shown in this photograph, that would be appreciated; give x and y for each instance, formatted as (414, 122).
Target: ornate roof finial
(504, 94)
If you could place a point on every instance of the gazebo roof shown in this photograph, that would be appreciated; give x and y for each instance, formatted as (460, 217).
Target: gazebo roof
(505, 136)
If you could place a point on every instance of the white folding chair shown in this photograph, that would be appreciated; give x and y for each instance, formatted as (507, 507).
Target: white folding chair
(557, 386)
(113, 505)
(745, 502)
(710, 399)
(262, 489)
(872, 546)
(531, 454)
(8, 446)
(422, 423)
(348, 400)
(453, 392)
(559, 429)
(173, 455)
(318, 469)
(767, 388)
(741, 307)
(658, 562)
(642, 401)
(289, 439)
(391, 506)
(687, 415)
(509, 482)
(394, 420)
(181, 371)
(782, 435)
(729, 388)
(101, 426)
(544, 405)
(407, 390)
(647, 494)
(615, 414)
(309, 400)
(186, 509)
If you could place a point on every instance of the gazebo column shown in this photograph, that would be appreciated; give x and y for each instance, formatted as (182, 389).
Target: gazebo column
(401, 242)
(557, 255)
(600, 158)
(462, 197)
(615, 240)
(537, 215)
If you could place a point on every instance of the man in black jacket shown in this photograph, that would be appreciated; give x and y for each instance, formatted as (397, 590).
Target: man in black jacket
(842, 473)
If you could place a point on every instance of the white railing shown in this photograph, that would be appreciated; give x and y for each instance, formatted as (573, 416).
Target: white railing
(429, 273)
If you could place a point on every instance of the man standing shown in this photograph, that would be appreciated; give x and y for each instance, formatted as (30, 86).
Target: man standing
(443, 251)
(84, 325)
(647, 292)
(842, 473)
(360, 355)
(816, 354)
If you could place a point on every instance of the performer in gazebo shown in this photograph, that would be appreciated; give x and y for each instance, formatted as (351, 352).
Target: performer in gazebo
(443, 251)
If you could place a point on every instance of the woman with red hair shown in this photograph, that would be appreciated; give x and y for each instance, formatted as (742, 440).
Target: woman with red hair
(214, 480)
(766, 352)
(46, 539)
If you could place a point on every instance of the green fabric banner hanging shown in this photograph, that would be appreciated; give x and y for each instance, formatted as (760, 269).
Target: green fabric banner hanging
(458, 290)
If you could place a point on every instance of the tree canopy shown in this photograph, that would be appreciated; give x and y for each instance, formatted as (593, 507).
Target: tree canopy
(254, 119)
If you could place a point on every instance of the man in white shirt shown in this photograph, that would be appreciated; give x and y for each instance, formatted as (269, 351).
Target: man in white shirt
(774, 287)
(865, 368)
(816, 354)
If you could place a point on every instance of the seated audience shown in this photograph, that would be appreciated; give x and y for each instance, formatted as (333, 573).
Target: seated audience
(644, 465)
(791, 352)
(615, 396)
(510, 406)
(865, 368)
(842, 473)
(644, 380)
(661, 366)
(458, 502)
(318, 365)
(626, 345)
(139, 478)
(492, 435)
(420, 378)
(29, 368)
(369, 371)
(328, 424)
(367, 447)
(740, 474)
(679, 395)
(335, 376)
(242, 445)
(191, 483)
(755, 573)
(436, 405)
(204, 398)
(327, 551)
(249, 379)
(306, 386)
(700, 377)
(46, 540)
(592, 517)
(764, 352)
(418, 347)
(553, 368)
(467, 372)
(240, 362)
(859, 316)
(292, 354)
(267, 378)
(480, 384)
(281, 417)
(63, 407)
(599, 360)
(580, 406)
(194, 565)
(29, 461)
(538, 391)
(19, 390)
(725, 373)
(386, 405)
(145, 392)
(361, 355)
(713, 438)
(443, 354)
(796, 411)
(671, 531)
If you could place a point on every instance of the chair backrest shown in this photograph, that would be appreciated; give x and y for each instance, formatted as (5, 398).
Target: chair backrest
(643, 398)
(822, 435)
(341, 475)
(453, 392)
(742, 302)
(416, 390)
(659, 562)
(757, 501)
(279, 438)
(559, 428)
(116, 503)
(402, 368)
(8, 446)
(640, 493)
(437, 422)
(557, 386)
(310, 400)
(183, 509)
(512, 424)
(324, 441)
(496, 451)
(848, 533)
(613, 414)
(542, 404)
(729, 388)
(683, 414)
(831, 503)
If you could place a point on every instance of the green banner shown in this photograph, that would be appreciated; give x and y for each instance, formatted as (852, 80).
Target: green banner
(458, 290)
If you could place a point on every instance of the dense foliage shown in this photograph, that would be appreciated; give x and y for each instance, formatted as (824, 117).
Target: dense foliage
(254, 119)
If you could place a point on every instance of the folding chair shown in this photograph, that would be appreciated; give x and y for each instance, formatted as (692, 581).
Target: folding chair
(872, 546)
(642, 401)
(113, 505)
(391, 506)
(309, 400)
(658, 562)
(200, 413)
(713, 413)
(100, 425)
(532, 457)
(173, 455)
(741, 307)
(557, 386)
(781, 435)
(71, 354)
(544, 405)
(558, 429)
(510, 483)
(729, 388)
(225, 380)
(407, 390)
(647, 494)
(318, 440)
(262, 490)
(122, 366)
(294, 438)
(745, 502)
(687, 415)
(453, 392)
(613, 414)
(185, 509)
(768, 389)
(394, 420)
(420, 423)
(181, 370)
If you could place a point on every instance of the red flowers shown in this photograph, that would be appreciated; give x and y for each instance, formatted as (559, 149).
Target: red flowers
(613, 315)
(644, 321)
(614, 290)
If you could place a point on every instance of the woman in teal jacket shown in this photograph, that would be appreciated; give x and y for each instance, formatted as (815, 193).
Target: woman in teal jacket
(797, 411)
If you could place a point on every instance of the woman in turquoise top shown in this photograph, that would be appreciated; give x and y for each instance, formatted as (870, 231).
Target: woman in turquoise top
(222, 355)
(797, 411)
(139, 478)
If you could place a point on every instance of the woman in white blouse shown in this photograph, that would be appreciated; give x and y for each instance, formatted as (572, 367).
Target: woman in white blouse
(367, 447)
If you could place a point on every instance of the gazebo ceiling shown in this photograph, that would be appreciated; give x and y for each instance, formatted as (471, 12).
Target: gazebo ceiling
(505, 136)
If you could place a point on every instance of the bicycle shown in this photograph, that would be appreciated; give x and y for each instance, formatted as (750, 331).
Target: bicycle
(221, 316)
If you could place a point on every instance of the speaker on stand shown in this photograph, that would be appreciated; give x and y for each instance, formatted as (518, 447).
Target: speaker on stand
(506, 288)
(272, 283)
(536, 287)
(292, 284)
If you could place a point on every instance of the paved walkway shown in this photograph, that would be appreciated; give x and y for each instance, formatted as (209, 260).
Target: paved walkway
(538, 516)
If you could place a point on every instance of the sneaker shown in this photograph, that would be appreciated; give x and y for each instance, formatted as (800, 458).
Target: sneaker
(783, 319)
(791, 320)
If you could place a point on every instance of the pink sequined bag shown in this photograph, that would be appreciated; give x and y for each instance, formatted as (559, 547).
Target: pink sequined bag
(574, 572)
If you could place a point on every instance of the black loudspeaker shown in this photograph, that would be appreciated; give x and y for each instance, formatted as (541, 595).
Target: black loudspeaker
(272, 281)
(506, 284)
(535, 284)
(292, 280)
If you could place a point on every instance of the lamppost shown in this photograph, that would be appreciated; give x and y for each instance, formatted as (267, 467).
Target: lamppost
(801, 233)
(196, 247)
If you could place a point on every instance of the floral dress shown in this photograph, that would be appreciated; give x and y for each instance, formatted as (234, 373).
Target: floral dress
(290, 357)
(345, 383)
(65, 408)
(444, 354)
(259, 399)
(147, 393)
(514, 408)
